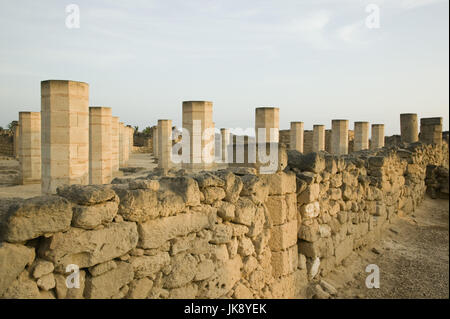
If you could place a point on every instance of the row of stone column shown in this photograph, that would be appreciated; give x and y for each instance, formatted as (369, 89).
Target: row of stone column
(267, 129)
(69, 142)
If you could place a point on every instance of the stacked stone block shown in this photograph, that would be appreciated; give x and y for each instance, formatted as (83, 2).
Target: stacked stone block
(431, 130)
(377, 140)
(30, 147)
(65, 134)
(296, 136)
(409, 127)
(100, 145)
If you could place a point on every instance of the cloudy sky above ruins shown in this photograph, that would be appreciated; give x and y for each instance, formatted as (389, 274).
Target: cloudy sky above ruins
(315, 59)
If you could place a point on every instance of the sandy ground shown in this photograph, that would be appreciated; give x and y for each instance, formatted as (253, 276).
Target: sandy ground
(413, 258)
(9, 171)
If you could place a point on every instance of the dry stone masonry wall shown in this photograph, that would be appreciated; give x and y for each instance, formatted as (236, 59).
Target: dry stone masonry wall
(223, 234)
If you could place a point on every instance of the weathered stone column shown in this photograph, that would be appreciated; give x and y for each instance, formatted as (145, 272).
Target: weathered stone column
(30, 152)
(267, 118)
(16, 139)
(361, 141)
(131, 139)
(123, 145)
(165, 144)
(296, 136)
(377, 140)
(409, 127)
(65, 133)
(225, 143)
(198, 121)
(318, 138)
(100, 145)
(115, 141)
(339, 137)
(431, 130)
(155, 141)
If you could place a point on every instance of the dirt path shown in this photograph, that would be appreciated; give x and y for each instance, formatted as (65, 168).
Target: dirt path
(413, 258)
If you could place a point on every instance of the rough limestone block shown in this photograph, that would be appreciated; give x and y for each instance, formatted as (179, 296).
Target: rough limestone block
(283, 236)
(35, 217)
(86, 195)
(277, 208)
(291, 201)
(310, 194)
(280, 183)
(145, 266)
(224, 278)
(140, 288)
(284, 262)
(13, 259)
(89, 217)
(87, 248)
(109, 283)
(154, 233)
(311, 162)
(42, 267)
(184, 269)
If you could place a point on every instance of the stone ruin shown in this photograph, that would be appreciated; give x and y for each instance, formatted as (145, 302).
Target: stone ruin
(200, 230)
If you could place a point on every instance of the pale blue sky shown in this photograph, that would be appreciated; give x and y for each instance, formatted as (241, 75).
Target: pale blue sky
(315, 59)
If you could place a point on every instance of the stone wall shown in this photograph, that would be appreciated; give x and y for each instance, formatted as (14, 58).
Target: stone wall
(223, 234)
(344, 202)
(6, 143)
(208, 235)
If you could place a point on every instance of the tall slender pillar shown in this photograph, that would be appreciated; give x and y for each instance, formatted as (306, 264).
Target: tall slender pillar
(199, 146)
(131, 139)
(225, 143)
(115, 144)
(64, 133)
(123, 145)
(377, 140)
(409, 127)
(100, 145)
(155, 141)
(267, 124)
(339, 137)
(296, 136)
(30, 152)
(361, 141)
(165, 144)
(16, 139)
(431, 130)
(318, 138)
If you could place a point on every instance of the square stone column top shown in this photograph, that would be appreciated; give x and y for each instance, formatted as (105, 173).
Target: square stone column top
(377, 125)
(297, 124)
(94, 108)
(431, 121)
(197, 106)
(63, 86)
(319, 126)
(339, 121)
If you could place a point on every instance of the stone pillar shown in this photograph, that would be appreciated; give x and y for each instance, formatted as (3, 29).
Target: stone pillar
(155, 141)
(377, 140)
(100, 145)
(409, 127)
(267, 118)
(198, 121)
(361, 141)
(115, 141)
(64, 133)
(318, 138)
(123, 145)
(131, 139)
(431, 130)
(339, 137)
(30, 152)
(225, 143)
(165, 144)
(296, 133)
(16, 139)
